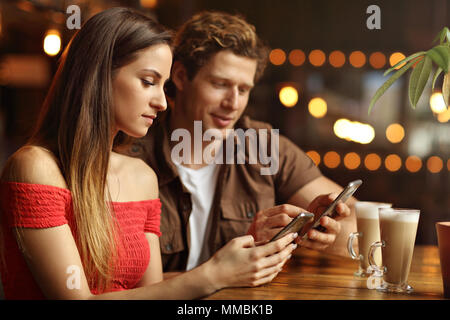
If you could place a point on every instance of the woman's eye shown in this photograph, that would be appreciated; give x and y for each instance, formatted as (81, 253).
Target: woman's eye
(147, 83)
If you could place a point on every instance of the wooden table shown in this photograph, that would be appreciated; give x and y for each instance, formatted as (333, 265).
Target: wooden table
(310, 275)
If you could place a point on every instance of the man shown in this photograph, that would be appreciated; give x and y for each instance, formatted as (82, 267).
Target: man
(217, 60)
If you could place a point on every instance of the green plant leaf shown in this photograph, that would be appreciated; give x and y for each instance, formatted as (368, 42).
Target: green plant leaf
(441, 56)
(388, 83)
(436, 75)
(413, 56)
(440, 38)
(418, 80)
(446, 89)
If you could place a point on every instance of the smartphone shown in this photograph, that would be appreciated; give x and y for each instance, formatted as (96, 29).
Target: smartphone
(295, 225)
(330, 211)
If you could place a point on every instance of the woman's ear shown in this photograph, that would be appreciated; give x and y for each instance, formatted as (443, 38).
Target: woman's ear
(179, 75)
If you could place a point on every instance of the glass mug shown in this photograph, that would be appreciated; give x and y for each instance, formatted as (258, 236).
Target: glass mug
(368, 228)
(398, 228)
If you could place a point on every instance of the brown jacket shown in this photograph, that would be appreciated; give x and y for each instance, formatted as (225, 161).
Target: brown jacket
(241, 191)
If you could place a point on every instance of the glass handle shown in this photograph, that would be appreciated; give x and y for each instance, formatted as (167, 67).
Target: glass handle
(350, 249)
(373, 247)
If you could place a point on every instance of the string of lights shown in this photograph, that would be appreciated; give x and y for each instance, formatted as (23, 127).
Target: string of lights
(373, 162)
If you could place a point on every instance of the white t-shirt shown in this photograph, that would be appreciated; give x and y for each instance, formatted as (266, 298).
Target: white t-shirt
(201, 183)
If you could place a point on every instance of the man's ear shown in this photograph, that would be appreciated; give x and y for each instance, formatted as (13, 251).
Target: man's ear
(179, 75)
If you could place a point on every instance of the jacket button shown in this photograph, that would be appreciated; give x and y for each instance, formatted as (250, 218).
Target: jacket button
(135, 149)
(250, 214)
(168, 247)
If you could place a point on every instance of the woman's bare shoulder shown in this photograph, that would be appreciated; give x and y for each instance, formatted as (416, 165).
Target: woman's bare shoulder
(142, 175)
(33, 164)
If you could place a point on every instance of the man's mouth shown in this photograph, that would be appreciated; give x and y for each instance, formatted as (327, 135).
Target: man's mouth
(221, 121)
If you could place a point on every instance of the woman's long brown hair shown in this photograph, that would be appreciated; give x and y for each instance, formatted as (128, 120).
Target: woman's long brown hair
(77, 125)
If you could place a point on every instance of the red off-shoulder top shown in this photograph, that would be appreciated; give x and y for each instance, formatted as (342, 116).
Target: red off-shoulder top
(41, 206)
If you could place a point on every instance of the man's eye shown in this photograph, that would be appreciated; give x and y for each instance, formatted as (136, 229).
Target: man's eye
(219, 84)
(147, 83)
(244, 90)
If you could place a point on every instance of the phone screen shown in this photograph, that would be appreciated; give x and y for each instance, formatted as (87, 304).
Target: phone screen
(330, 211)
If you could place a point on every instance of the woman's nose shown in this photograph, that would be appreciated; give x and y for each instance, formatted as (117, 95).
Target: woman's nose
(159, 102)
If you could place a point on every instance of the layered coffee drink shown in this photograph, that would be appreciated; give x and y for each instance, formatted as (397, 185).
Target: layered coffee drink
(368, 232)
(398, 229)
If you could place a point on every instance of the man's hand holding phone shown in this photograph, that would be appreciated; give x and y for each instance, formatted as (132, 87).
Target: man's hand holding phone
(328, 210)
(320, 240)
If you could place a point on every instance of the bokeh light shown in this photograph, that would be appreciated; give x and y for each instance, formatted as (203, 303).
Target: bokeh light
(277, 57)
(149, 4)
(352, 160)
(288, 96)
(357, 59)
(317, 107)
(52, 42)
(395, 133)
(434, 164)
(337, 58)
(444, 116)
(332, 159)
(377, 60)
(413, 164)
(315, 156)
(372, 161)
(437, 103)
(395, 58)
(297, 57)
(393, 162)
(354, 131)
(317, 58)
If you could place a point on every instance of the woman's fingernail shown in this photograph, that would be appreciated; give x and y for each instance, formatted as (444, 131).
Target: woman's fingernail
(295, 235)
(294, 246)
(289, 256)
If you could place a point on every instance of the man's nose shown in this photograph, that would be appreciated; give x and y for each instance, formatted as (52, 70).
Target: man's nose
(232, 99)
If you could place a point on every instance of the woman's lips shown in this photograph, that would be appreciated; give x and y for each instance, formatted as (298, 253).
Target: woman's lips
(149, 119)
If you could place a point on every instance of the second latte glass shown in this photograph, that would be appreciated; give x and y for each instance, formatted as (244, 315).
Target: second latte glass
(368, 232)
(398, 228)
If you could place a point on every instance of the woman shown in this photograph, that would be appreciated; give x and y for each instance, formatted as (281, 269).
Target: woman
(80, 221)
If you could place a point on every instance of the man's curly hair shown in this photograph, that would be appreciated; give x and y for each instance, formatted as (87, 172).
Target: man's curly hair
(209, 32)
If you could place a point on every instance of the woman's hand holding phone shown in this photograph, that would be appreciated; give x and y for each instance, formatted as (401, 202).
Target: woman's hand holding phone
(267, 223)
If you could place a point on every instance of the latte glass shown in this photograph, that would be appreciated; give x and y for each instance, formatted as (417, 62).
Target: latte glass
(398, 228)
(368, 228)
